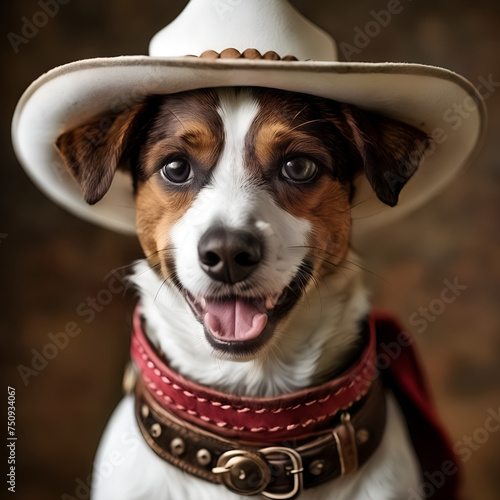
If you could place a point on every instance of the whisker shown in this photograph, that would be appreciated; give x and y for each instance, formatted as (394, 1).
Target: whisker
(132, 264)
(292, 290)
(308, 122)
(339, 266)
(297, 114)
(316, 285)
(168, 248)
(164, 282)
(117, 269)
(350, 207)
(150, 268)
(158, 292)
(359, 203)
(352, 263)
(176, 117)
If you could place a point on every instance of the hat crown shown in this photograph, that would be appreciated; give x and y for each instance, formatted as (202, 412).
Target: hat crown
(265, 25)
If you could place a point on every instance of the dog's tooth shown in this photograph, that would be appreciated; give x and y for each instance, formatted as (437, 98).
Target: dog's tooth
(271, 300)
(200, 303)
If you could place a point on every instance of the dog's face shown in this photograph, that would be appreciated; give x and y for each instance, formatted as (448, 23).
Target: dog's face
(243, 195)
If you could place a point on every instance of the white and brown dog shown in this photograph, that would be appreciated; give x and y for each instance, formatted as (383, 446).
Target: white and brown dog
(249, 288)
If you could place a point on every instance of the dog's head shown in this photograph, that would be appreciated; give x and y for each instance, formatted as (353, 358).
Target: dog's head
(243, 195)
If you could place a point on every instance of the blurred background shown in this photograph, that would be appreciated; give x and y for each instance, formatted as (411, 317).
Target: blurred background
(52, 262)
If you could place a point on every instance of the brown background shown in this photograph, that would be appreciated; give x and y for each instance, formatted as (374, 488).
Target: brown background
(51, 261)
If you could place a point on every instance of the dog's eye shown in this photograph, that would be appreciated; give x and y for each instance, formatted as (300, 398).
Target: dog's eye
(299, 169)
(178, 171)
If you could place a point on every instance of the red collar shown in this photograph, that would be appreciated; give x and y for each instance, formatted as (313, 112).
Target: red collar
(292, 416)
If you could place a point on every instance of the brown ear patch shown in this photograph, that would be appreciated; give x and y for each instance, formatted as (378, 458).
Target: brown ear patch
(92, 152)
(391, 151)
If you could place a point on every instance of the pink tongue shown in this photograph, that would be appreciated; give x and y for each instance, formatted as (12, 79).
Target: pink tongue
(234, 319)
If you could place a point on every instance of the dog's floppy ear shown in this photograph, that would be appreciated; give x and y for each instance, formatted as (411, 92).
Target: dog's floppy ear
(93, 151)
(390, 151)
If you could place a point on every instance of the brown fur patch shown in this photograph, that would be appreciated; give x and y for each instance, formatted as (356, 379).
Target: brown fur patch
(186, 126)
(156, 215)
(93, 151)
(292, 125)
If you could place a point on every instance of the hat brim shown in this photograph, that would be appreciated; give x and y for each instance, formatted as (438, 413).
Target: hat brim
(423, 96)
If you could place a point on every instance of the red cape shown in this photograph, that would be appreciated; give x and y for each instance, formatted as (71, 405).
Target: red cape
(401, 373)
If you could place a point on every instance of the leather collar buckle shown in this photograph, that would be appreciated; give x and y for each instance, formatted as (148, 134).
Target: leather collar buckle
(243, 472)
(295, 471)
(248, 474)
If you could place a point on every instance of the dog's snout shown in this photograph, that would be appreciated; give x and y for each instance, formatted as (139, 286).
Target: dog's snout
(229, 255)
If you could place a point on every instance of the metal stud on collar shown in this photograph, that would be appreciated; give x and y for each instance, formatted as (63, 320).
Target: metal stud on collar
(316, 467)
(145, 411)
(204, 457)
(362, 436)
(177, 446)
(155, 430)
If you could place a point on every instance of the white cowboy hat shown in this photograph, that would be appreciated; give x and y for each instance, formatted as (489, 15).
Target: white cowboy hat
(70, 95)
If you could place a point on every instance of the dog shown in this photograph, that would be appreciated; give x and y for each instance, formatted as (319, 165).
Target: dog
(249, 286)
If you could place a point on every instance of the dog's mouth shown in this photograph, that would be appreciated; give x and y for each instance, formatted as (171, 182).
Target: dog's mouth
(234, 319)
(240, 326)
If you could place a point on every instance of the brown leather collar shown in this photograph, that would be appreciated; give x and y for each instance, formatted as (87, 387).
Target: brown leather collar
(251, 463)
(279, 471)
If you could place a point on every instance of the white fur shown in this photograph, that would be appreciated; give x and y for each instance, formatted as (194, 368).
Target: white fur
(319, 334)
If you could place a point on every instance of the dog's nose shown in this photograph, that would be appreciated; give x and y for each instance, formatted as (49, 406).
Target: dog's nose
(229, 255)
